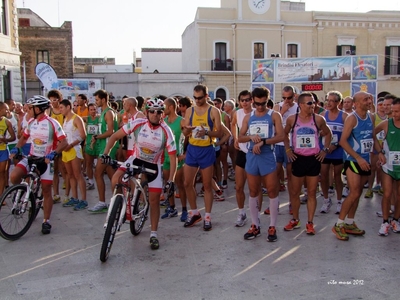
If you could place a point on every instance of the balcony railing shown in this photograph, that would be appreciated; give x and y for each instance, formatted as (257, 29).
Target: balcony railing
(221, 65)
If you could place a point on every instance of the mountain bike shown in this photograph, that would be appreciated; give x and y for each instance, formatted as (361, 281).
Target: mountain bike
(126, 206)
(20, 204)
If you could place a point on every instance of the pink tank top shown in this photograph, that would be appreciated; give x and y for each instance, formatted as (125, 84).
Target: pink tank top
(305, 137)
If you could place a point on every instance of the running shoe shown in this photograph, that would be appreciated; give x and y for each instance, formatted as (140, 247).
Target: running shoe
(154, 245)
(252, 233)
(384, 230)
(82, 204)
(72, 202)
(219, 196)
(345, 192)
(231, 175)
(353, 229)
(395, 226)
(380, 214)
(192, 219)
(380, 192)
(303, 198)
(201, 192)
(100, 207)
(272, 234)
(169, 213)
(184, 215)
(293, 224)
(366, 185)
(90, 186)
(376, 188)
(164, 203)
(369, 194)
(64, 186)
(282, 187)
(46, 227)
(310, 229)
(267, 211)
(177, 195)
(241, 220)
(331, 191)
(207, 226)
(338, 207)
(224, 184)
(340, 232)
(264, 192)
(326, 206)
(56, 199)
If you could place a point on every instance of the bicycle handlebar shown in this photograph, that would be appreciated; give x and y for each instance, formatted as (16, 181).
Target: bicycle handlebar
(134, 169)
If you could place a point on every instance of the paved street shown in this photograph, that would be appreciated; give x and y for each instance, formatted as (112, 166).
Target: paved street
(193, 264)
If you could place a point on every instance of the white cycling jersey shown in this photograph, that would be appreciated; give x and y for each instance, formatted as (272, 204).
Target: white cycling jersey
(44, 134)
(149, 141)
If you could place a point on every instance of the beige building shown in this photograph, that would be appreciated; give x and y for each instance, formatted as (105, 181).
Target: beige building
(10, 81)
(222, 42)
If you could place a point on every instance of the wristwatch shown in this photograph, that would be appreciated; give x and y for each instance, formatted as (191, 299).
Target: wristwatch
(205, 132)
(383, 151)
(326, 150)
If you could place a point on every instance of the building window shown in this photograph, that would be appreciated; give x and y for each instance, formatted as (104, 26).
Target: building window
(3, 25)
(220, 51)
(342, 50)
(292, 51)
(43, 56)
(258, 50)
(392, 60)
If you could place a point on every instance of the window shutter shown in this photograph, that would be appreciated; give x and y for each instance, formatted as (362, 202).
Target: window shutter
(338, 50)
(353, 50)
(386, 70)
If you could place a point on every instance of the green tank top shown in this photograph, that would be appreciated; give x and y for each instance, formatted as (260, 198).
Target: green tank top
(177, 131)
(102, 124)
(392, 146)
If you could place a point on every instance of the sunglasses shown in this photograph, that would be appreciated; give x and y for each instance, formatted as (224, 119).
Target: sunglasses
(260, 103)
(54, 100)
(198, 98)
(309, 103)
(288, 98)
(152, 111)
(245, 100)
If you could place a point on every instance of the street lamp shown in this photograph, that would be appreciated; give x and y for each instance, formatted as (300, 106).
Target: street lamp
(3, 73)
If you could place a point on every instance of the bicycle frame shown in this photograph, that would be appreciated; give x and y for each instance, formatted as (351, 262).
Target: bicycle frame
(127, 205)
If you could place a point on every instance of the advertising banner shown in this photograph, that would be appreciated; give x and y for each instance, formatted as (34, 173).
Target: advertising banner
(46, 75)
(71, 88)
(263, 70)
(313, 69)
(365, 67)
(364, 86)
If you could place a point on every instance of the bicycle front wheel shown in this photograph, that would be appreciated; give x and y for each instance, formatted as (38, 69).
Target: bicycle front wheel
(112, 227)
(141, 209)
(16, 217)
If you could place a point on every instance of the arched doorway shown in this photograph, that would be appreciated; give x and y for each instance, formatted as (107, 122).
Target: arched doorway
(221, 93)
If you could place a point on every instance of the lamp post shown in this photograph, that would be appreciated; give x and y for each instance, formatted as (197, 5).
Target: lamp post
(3, 73)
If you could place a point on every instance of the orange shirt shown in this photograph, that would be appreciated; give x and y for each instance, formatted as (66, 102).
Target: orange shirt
(83, 113)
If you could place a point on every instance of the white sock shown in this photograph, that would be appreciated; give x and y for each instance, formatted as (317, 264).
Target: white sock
(241, 211)
(153, 233)
(339, 221)
(274, 210)
(253, 204)
(349, 221)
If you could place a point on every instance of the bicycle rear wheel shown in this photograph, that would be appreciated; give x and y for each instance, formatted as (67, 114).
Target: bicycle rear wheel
(141, 208)
(112, 227)
(16, 217)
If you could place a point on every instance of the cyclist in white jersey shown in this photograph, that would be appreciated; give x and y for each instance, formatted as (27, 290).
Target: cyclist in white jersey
(152, 136)
(45, 133)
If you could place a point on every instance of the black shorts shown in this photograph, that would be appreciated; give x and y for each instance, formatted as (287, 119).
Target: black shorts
(332, 161)
(306, 166)
(355, 168)
(217, 153)
(241, 159)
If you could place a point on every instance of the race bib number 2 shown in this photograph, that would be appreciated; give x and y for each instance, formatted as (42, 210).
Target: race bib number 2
(259, 129)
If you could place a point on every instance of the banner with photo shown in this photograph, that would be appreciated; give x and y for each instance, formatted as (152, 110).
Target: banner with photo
(269, 86)
(313, 69)
(365, 86)
(46, 75)
(364, 67)
(262, 70)
(71, 88)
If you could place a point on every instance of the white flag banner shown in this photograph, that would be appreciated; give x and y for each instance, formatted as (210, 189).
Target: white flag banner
(46, 75)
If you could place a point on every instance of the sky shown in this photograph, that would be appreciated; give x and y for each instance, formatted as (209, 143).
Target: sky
(104, 28)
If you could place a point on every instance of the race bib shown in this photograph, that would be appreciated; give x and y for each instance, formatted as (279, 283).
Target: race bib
(195, 133)
(381, 135)
(305, 141)
(92, 129)
(394, 158)
(259, 129)
(335, 139)
(366, 145)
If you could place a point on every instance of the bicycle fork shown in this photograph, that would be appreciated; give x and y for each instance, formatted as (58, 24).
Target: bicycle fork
(22, 209)
(121, 215)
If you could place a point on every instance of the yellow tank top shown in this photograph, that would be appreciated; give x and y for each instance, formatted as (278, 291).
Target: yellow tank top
(59, 117)
(3, 131)
(198, 121)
